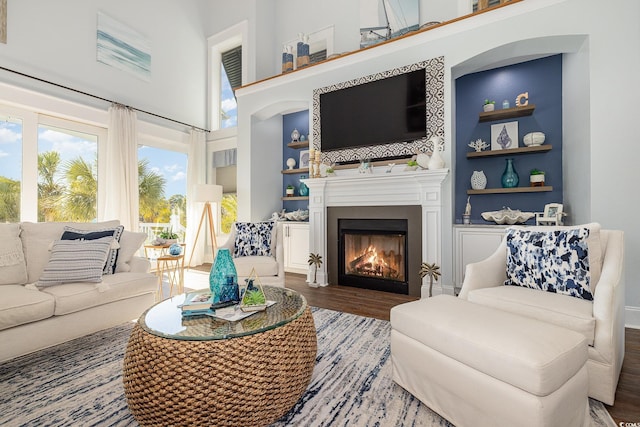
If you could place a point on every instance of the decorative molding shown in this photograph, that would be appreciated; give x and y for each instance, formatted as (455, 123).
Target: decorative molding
(434, 75)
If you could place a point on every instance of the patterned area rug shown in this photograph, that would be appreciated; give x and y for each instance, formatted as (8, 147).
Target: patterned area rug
(79, 383)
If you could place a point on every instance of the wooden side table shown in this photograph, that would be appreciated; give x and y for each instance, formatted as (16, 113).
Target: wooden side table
(172, 265)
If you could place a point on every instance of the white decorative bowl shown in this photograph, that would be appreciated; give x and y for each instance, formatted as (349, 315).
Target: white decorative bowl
(533, 138)
(298, 215)
(507, 216)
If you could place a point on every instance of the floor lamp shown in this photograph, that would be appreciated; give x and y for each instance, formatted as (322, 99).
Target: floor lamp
(207, 194)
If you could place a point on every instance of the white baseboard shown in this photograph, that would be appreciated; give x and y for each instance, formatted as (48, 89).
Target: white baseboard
(632, 317)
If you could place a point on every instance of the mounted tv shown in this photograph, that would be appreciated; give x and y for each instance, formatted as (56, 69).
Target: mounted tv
(384, 111)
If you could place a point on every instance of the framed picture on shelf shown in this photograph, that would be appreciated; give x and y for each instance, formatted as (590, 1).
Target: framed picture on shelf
(304, 159)
(504, 136)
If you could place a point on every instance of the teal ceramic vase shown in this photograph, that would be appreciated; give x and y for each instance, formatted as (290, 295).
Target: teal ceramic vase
(303, 190)
(223, 279)
(510, 178)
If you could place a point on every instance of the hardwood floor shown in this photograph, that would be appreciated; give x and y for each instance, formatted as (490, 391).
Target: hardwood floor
(378, 304)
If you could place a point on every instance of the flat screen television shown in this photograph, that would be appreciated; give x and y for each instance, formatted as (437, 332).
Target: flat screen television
(382, 111)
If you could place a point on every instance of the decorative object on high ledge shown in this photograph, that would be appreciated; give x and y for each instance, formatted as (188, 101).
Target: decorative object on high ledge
(533, 139)
(302, 51)
(488, 105)
(478, 145)
(223, 280)
(316, 261)
(478, 180)
(536, 178)
(510, 178)
(431, 270)
(522, 99)
(287, 59)
(505, 104)
(508, 216)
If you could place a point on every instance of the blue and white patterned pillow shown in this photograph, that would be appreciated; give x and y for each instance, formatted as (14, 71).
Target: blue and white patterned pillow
(553, 261)
(71, 233)
(253, 239)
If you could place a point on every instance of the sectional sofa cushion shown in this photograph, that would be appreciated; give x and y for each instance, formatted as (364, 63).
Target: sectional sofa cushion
(72, 233)
(14, 268)
(37, 236)
(76, 261)
(20, 305)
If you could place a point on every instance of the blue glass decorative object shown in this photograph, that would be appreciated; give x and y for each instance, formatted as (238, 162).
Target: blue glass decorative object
(175, 249)
(223, 279)
(510, 178)
(303, 190)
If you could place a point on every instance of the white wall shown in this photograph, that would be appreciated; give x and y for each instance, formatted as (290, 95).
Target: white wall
(605, 58)
(56, 41)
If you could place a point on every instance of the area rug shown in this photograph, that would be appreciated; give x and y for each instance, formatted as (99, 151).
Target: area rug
(79, 383)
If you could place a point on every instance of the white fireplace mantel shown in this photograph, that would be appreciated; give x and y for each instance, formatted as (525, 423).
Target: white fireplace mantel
(349, 188)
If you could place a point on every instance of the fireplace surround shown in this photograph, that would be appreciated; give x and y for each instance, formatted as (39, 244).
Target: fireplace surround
(419, 191)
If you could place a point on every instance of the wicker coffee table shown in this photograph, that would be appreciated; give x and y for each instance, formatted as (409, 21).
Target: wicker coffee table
(208, 372)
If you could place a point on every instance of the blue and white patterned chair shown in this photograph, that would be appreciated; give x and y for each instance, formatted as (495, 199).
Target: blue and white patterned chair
(570, 276)
(259, 246)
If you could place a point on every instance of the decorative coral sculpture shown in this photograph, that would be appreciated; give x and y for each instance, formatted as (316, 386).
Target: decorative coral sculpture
(478, 145)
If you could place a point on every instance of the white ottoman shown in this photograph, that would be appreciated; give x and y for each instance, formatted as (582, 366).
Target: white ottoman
(478, 366)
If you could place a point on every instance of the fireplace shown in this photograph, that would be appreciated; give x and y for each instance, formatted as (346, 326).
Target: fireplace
(373, 254)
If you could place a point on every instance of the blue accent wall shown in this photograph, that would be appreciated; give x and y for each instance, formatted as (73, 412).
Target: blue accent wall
(542, 78)
(300, 121)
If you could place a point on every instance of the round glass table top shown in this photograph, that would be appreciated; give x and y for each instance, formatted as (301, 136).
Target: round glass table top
(165, 319)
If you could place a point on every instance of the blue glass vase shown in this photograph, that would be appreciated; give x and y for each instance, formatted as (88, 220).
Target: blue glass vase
(303, 190)
(510, 178)
(223, 279)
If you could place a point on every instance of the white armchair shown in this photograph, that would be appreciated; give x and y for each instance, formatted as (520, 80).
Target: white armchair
(270, 269)
(600, 320)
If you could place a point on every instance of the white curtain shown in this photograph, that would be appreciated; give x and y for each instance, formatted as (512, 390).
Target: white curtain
(120, 198)
(196, 174)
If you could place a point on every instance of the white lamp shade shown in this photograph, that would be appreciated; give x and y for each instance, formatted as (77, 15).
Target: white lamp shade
(208, 193)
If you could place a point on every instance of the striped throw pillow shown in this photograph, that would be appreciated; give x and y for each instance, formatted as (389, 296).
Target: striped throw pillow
(71, 233)
(76, 261)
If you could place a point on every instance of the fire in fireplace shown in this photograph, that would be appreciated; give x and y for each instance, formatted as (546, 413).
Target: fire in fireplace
(373, 254)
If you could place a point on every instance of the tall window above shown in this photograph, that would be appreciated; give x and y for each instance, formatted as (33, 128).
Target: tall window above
(230, 79)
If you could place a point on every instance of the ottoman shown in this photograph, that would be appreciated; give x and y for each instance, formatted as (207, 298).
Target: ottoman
(478, 366)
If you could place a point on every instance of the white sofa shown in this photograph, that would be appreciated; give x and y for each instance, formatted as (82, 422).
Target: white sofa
(601, 321)
(270, 269)
(33, 318)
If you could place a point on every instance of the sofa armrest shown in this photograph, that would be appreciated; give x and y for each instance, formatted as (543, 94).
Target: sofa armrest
(140, 265)
(608, 300)
(487, 273)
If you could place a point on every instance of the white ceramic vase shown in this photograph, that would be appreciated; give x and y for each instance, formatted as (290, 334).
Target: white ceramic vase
(436, 161)
(423, 160)
(478, 180)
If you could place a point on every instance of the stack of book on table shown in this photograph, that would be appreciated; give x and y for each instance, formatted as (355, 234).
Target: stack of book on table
(197, 304)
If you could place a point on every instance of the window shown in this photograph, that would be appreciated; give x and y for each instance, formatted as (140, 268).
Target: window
(11, 167)
(228, 70)
(163, 186)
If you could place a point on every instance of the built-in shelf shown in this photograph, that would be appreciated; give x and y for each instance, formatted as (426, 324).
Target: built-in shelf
(510, 152)
(511, 190)
(296, 198)
(506, 113)
(295, 171)
(299, 144)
